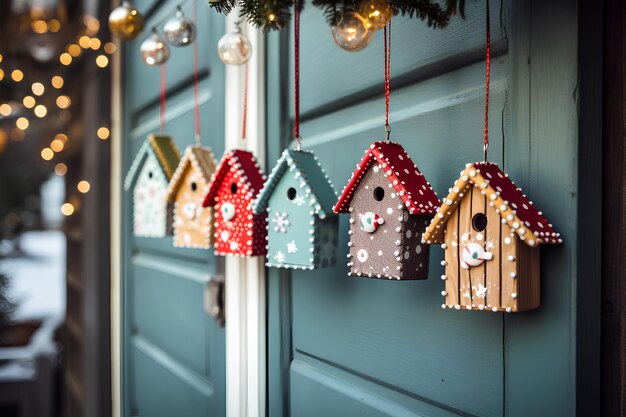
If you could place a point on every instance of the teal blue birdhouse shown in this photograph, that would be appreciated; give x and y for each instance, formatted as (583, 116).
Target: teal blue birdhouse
(301, 224)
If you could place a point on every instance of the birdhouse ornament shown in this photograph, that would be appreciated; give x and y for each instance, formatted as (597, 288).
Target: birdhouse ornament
(298, 198)
(148, 178)
(490, 233)
(390, 205)
(193, 223)
(234, 186)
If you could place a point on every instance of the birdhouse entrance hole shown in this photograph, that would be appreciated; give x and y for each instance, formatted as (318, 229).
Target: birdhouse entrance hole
(479, 222)
(291, 193)
(379, 193)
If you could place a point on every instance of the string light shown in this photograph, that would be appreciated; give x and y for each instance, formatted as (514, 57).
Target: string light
(102, 61)
(29, 102)
(57, 81)
(95, 43)
(38, 88)
(1, 75)
(110, 48)
(60, 169)
(84, 41)
(67, 209)
(65, 58)
(83, 186)
(62, 137)
(22, 123)
(5, 109)
(93, 24)
(74, 50)
(103, 133)
(57, 145)
(47, 154)
(39, 26)
(17, 75)
(54, 25)
(63, 102)
(41, 111)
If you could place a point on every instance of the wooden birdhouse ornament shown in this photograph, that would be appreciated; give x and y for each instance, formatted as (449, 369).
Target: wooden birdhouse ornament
(390, 205)
(298, 198)
(490, 233)
(234, 186)
(192, 222)
(148, 178)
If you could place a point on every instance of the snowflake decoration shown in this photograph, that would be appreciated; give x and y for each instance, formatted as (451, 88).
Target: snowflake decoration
(280, 222)
(482, 291)
(280, 257)
(291, 247)
(299, 201)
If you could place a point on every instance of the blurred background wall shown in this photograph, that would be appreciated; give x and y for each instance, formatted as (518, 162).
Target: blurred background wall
(54, 208)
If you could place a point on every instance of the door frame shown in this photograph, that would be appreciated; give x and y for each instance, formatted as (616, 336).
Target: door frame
(245, 293)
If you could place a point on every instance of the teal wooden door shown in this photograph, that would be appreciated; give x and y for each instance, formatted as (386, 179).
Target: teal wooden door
(343, 346)
(173, 352)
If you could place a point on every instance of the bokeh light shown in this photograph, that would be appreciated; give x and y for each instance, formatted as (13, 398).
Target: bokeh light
(47, 154)
(103, 133)
(83, 186)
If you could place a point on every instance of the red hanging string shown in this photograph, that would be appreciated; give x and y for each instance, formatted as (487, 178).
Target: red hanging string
(387, 69)
(487, 78)
(163, 94)
(296, 87)
(244, 115)
(195, 77)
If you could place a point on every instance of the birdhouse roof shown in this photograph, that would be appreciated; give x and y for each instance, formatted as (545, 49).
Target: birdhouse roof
(410, 184)
(163, 148)
(243, 165)
(318, 189)
(513, 206)
(202, 160)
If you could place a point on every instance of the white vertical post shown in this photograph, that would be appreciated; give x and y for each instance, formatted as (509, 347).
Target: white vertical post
(245, 277)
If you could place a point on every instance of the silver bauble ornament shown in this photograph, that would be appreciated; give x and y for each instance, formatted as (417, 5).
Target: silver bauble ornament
(234, 48)
(179, 30)
(351, 33)
(154, 51)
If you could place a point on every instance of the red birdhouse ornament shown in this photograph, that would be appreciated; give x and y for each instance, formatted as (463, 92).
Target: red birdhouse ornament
(234, 186)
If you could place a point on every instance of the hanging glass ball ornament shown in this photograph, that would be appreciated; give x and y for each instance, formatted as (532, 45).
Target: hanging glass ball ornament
(351, 33)
(179, 30)
(376, 13)
(234, 48)
(154, 51)
(125, 21)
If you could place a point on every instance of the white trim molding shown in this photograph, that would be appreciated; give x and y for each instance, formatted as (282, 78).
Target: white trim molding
(245, 277)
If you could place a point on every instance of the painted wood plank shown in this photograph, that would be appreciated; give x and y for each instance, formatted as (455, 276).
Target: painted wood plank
(494, 245)
(452, 260)
(509, 268)
(467, 277)
(479, 279)
(528, 280)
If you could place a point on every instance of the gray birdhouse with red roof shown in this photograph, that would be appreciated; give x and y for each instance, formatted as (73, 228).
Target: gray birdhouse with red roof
(490, 233)
(390, 205)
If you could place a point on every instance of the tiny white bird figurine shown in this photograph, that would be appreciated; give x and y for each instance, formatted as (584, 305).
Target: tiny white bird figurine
(474, 255)
(370, 221)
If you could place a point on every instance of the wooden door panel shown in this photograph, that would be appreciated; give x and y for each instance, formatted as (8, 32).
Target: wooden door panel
(334, 76)
(174, 351)
(179, 393)
(166, 308)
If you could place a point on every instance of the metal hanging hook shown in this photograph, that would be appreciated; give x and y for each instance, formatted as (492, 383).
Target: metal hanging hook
(299, 143)
(387, 132)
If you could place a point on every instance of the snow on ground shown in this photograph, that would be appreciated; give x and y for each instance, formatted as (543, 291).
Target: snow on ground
(37, 281)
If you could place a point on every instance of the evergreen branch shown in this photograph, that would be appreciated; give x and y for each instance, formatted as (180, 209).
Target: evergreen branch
(223, 6)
